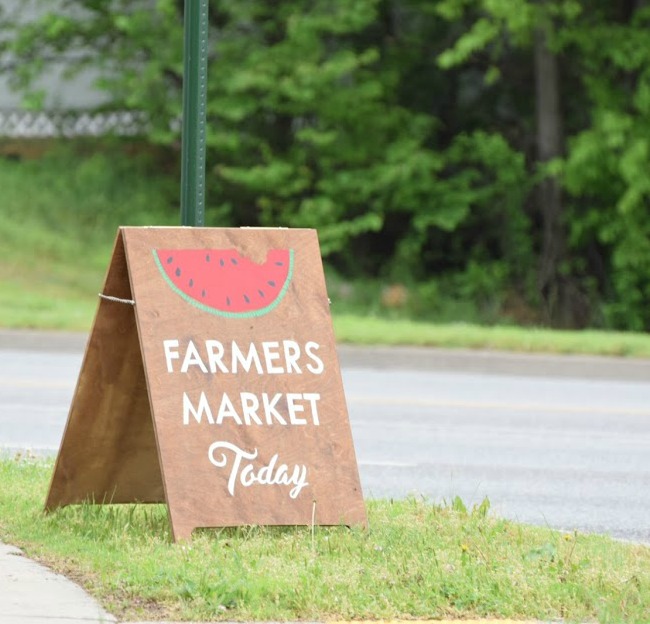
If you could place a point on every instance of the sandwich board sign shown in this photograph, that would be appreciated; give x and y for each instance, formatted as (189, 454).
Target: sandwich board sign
(211, 383)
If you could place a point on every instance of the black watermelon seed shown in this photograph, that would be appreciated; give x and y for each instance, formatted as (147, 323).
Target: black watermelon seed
(170, 259)
(233, 260)
(227, 300)
(279, 264)
(178, 272)
(271, 283)
(207, 257)
(221, 262)
(261, 293)
(203, 293)
(191, 283)
(246, 299)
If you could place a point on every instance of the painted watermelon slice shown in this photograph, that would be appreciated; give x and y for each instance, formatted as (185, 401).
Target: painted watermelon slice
(225, 283)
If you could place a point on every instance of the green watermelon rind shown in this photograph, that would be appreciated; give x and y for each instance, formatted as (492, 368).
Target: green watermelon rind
(224, 313)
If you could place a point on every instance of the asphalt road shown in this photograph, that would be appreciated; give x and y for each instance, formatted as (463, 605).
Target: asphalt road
(563, 442)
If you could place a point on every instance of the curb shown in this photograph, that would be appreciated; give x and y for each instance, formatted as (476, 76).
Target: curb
(31, 593)
(405, 358)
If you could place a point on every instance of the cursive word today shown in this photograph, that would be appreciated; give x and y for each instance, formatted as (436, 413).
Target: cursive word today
(245, 473)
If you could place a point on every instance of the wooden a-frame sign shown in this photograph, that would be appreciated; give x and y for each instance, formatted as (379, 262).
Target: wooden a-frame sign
(211, 383)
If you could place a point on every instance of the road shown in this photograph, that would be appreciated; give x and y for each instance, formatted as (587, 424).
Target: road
(563, 442)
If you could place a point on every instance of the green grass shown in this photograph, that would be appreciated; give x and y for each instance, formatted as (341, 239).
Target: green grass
(59, 215)
(417, 560)
(376, 330)
(52, 307)
(58, 219)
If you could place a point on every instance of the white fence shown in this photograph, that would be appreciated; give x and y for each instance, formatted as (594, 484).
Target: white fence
(16, 124)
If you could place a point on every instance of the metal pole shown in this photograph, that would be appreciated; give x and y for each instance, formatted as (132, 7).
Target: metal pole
(195, 86)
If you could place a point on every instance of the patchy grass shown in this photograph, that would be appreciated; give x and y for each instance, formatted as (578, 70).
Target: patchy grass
(376, 330)
(417, 560)
(58, 218)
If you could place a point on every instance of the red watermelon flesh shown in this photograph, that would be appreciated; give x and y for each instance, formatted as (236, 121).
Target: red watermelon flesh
(223, 282)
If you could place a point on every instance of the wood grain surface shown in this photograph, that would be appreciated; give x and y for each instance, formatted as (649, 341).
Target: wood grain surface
(226, 457)
(108, 452)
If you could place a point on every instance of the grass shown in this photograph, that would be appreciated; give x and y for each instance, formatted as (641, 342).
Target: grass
(375, 330)
(417, 560)
(58, 218)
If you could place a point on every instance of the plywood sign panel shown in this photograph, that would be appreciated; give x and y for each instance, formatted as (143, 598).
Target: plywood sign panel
(108, 452)
(243, 381)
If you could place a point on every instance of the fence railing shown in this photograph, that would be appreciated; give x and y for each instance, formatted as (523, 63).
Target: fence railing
(18, 124)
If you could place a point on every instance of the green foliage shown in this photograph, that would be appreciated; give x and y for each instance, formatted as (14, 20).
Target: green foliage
(311, 123)
(606, 54)
(607, 164)
(404, 132)
(308, 116)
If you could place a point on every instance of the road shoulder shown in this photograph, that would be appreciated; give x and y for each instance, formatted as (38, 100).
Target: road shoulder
(405, 358)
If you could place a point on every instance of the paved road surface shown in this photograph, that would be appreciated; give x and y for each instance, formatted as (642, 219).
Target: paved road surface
(570, 453)
(549, 441)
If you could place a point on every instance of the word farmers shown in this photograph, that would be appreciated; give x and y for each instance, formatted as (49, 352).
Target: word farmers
(270, 357)
(247, 474)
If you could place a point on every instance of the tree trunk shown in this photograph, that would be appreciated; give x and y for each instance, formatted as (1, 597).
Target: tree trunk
(565, 306)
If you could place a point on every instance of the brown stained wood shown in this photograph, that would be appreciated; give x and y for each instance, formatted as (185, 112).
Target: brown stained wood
(108, 452)
(200, 492)
(126, 439)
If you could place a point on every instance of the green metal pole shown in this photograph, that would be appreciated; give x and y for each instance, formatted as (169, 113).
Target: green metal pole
(195, 86)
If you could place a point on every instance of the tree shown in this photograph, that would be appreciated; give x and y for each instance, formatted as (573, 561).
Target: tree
(492, 146)
(605, 172)
(500, 31)
(556, 289)
(313, 123)
(591, 64)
